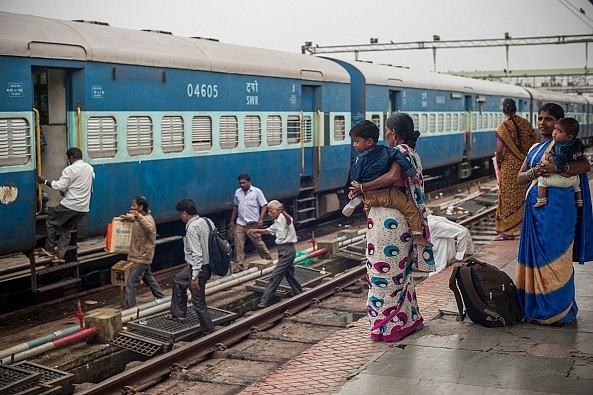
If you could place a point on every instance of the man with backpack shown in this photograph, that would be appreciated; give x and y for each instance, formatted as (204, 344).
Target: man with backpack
(197, 272)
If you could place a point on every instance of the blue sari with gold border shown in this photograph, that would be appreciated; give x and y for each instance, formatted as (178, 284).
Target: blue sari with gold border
(553, 236)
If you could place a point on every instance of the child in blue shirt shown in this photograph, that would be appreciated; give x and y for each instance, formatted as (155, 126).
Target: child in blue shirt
(375, 160)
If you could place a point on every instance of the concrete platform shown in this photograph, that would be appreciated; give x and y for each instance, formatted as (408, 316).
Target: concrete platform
(450, 356)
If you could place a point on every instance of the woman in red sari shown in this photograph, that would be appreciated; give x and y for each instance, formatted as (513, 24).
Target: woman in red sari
(514, 137)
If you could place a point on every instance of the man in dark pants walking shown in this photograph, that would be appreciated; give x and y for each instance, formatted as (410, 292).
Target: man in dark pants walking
(283, 229)
(197, 272)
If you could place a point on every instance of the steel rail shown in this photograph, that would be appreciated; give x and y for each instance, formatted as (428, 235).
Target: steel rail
(158, 368)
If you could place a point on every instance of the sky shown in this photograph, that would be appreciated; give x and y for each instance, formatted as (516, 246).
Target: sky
(286, 25)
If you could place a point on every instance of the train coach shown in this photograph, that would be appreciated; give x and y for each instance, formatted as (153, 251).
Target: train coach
(163, 116)
(456, 116)
(172, 117)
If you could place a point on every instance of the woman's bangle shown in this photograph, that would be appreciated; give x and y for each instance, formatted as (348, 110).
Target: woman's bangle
(361, 191)
(529, 173)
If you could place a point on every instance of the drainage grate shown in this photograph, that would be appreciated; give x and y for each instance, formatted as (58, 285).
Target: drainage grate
(12, 379)
(50, 377)
(139, 344)
(175, 331)
(307, 277)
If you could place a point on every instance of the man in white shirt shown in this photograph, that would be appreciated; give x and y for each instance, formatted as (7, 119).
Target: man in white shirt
(283, 229)
(76, 186)
(250, 206)
(451, 241)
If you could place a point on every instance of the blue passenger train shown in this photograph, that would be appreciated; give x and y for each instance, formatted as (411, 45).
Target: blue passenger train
(172, 117)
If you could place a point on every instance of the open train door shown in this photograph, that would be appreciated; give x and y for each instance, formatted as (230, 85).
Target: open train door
(465, 168)
(49, 99)
(306, 204)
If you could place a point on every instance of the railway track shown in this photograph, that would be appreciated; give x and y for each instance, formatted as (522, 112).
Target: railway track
(274, 335)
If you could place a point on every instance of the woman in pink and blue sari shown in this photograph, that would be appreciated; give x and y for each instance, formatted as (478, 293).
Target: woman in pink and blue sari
(391, 256)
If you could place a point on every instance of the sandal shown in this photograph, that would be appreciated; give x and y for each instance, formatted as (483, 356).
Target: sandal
(173, 318)
(503, 238)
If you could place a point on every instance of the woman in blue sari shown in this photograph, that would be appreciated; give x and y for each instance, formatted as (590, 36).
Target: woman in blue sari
(553, 236)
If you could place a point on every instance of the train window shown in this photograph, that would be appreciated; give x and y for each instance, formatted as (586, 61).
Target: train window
(447, 122)
(415, 120)
(455, 121)
(201, 133)
(431, 123)
(15, 142)
(252, 131)
(423, 123)
(440, 123)
(339, 128)
(475, 120)
(307, 124)
(101, 137)
(274, 130)
(376, 119)
(172, 134)
(228, 131)
(140, 136)
(294, 129)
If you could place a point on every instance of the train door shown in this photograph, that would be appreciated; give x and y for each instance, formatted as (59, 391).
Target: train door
(394, 105)
(465, 165)
(311, 138)
(50, 87)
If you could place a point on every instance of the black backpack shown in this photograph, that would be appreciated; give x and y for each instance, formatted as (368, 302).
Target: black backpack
(219, 250)
(489, 294)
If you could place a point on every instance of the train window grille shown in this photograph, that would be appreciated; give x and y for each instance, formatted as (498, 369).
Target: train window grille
(252, 131)
(308, 126)
(172, 134)
(293, 129)
(474, 120)
(15, 142)
(274, 130)
(228, 132)
(422, 126)
(455, 121)
(201, 133)
(431, 123)
(376, 119)
(101, 137)
(440, 123)
(447, 122)
(139, 135)
(416, 120)
(340, 128)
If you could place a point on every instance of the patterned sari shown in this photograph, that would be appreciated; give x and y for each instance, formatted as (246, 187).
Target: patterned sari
(553, 236)
(517, 137)
(391, 305)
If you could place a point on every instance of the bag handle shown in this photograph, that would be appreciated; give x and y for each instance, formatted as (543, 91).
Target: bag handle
(453, 287)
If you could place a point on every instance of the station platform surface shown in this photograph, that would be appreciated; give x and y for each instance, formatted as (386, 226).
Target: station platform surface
(450, 356)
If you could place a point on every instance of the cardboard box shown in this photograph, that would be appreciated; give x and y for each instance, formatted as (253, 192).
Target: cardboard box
(120, 272)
